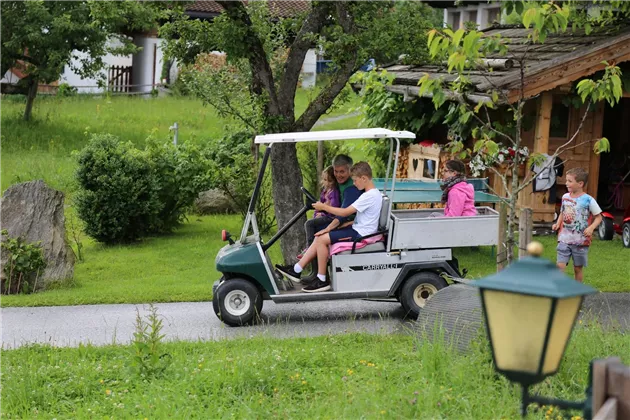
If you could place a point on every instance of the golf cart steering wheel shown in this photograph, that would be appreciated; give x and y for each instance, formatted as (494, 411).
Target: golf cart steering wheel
(308, 195)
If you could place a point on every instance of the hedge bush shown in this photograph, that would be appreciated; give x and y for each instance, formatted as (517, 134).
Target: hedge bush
(126, 193)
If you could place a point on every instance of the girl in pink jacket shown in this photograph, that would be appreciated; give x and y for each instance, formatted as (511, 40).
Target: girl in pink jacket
(458, 195)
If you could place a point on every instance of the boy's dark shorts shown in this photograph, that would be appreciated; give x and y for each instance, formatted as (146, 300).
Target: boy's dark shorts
(343, 235)
(578, 252)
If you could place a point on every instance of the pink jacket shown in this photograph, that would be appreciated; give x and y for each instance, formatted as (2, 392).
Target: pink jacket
(461, 201)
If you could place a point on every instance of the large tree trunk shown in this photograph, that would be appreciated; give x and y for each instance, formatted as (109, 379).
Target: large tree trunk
(30, 97)
(287, 180)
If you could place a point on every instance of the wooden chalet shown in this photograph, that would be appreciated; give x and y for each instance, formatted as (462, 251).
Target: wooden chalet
(550, 70)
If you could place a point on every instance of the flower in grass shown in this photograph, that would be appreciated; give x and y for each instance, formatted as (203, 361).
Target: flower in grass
(350, 372)
(371, 364)
(108, 392)
(101, 381)
(383, 411)
(303, 382)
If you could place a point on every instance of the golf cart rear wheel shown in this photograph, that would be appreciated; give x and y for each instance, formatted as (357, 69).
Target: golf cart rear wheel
(606, 231)
(625, 235)
(418, 289)
(237, 302)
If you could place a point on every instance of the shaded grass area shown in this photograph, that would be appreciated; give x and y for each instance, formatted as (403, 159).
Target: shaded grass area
(348, 376)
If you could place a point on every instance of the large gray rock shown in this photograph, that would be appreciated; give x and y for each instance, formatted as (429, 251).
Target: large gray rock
(34, 211)
(213, 202)
(453, 313)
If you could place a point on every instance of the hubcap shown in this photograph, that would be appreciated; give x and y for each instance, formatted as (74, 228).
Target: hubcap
(423, 293)
(626, 235)
(602, 229)
(237, 302)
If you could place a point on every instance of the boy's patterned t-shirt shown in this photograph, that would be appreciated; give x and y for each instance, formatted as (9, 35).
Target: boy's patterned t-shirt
(576, 215)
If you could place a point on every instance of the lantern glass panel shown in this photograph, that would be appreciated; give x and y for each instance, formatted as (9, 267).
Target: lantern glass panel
(517, 324)
(563, 320)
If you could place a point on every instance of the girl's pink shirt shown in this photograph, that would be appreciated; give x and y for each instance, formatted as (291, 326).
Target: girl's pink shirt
(461, 201)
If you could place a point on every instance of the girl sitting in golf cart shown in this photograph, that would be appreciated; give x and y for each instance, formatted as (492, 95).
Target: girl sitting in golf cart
(458, 194)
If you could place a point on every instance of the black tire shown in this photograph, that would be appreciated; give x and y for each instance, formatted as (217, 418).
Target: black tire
(417, 289)
(625, 234)
(605, 231)
(229, 297)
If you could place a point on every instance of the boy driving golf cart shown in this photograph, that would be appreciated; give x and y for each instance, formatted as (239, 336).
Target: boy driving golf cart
(367, 208)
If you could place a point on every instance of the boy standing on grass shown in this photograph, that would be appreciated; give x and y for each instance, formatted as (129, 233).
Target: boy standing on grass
(575, 233)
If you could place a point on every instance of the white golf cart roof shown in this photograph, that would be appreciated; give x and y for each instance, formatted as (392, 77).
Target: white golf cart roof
(363, 133)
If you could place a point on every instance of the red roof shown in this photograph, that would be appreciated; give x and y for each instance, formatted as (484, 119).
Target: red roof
(277, 8)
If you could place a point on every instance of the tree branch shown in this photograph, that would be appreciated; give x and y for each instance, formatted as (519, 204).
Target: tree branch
(297, 53)
(261, 70)
(338, 81)
(503, 180)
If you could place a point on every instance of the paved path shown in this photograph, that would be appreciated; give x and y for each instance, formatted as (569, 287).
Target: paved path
(107, 324)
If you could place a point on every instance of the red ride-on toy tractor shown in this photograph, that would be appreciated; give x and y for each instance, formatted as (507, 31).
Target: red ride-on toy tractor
(608, 227)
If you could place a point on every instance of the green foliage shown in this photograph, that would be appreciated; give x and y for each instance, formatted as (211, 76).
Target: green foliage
(46, 35)
(234, 172)
(118, 197)
(126, 193)
(382, 108)
(181, 172)
(25, 262)
(65, 90)
(149, 359)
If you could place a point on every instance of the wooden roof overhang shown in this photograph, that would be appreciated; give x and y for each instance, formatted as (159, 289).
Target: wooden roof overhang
(560, 60)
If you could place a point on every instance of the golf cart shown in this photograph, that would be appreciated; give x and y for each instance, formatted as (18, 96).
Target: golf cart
(410, 264)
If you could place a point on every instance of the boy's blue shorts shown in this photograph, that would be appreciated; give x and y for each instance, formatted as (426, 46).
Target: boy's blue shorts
(578, 252)
(343, 235)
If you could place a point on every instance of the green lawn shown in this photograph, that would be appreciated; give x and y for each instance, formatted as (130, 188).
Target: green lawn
(348, 376)
(180, 267)
(42, 149)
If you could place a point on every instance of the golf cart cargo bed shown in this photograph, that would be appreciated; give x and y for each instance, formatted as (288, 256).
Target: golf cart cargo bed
(414, 229)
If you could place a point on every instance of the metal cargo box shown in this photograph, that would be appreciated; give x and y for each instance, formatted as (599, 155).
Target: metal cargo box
(414, 229)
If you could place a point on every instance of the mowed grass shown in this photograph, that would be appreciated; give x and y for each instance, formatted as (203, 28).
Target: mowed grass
(42, 148)
(180, 267)
(348, 376)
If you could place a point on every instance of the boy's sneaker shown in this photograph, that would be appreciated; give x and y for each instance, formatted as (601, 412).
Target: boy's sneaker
(289, 272)
(317, 286)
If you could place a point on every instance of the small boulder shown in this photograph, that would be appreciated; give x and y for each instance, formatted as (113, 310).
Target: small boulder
(34, 211)
(214, 202)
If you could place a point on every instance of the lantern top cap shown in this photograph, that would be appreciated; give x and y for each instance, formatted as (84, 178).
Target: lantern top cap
(537, 277)
(535, 249)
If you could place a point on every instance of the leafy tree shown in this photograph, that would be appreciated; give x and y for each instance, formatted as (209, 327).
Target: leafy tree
(44, 36)
(269, 53)
(464, 51)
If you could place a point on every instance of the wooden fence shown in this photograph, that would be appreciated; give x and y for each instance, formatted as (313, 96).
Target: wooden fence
(119, 79)
(611, 390)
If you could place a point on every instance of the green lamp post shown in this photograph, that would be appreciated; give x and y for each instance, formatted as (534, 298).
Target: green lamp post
(530, 309)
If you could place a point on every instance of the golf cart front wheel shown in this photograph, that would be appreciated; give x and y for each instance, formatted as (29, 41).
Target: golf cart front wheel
(606, 230)
(625, 235)
(237, 302)
(418, 289)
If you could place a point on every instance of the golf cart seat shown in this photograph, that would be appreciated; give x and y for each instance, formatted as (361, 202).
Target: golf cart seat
(382, 231)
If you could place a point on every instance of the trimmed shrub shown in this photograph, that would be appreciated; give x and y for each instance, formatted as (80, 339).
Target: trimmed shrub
(126, 193)
(119, 195)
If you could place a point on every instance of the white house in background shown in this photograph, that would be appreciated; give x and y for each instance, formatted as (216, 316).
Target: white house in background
(482, 13)
(141, 72)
